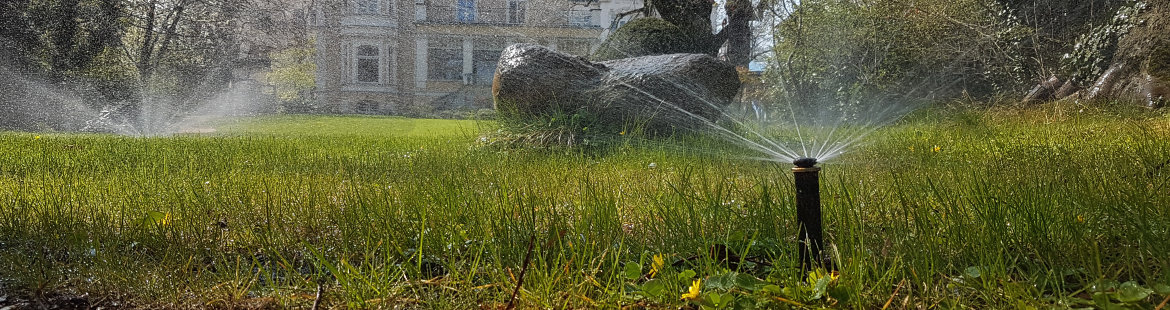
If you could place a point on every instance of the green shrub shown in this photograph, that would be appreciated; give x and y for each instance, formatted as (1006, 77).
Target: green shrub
(841, 54)
(644, 37)
(583, 128)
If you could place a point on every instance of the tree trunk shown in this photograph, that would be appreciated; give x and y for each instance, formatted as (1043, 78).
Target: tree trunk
(737, 33)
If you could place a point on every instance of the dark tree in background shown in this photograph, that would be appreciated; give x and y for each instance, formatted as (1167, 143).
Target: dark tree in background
(690, 30)
(62, 35)
(17, 36)
(51, 42)
(80, 31)
(737, 32)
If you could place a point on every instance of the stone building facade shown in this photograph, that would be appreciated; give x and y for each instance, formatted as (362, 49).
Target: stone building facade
(404, 56)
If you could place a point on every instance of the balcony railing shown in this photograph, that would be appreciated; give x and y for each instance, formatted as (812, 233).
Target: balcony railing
(496, 16)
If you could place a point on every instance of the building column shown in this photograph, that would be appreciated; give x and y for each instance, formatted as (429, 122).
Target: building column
(384, 72)
(420, 63)
(468, 62)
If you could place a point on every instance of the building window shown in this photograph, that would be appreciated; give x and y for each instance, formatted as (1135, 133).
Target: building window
(366, 64)
(581, 18)
(484, 64)
(445, 60)
(484, 59)
(365, 6)
(366, 107)
(516, 10)
(465, 12)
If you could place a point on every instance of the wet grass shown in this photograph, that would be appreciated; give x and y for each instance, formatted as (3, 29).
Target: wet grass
(1003, 208)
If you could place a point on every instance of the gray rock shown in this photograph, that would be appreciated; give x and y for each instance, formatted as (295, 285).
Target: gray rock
(677, 90)
(662, 92)
(533, 80)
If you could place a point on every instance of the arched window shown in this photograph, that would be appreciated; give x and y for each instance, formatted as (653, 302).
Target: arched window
(365, 6)
(366, 68)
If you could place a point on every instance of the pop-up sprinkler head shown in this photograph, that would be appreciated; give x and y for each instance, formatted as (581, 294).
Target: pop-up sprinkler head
(808, 214)
(805, 162)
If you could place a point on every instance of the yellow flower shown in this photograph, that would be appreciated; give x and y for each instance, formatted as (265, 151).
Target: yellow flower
(1080, 218)
(622, 133)
(693, 292)
(166, 220)
(656, 265)
(37, 138)
(911, 148)
(936, 149)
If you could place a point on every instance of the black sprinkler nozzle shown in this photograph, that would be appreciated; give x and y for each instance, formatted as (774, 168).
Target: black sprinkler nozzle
(806, 162)
(808, 215)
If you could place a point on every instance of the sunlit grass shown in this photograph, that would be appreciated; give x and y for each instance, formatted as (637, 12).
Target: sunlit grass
(351, 126)
(997, 208)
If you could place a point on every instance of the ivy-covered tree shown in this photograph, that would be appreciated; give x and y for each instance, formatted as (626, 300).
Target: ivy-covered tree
(689, 23)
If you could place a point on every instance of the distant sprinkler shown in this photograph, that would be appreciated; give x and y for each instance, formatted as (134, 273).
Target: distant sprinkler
(808, 214)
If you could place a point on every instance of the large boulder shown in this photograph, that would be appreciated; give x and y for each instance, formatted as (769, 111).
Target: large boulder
(677, 90)
(533, 80)
(662, 92)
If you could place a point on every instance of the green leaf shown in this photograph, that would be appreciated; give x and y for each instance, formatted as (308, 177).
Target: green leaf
(723, 282)
(1103, 285)
(822, 285)
(153, 218)
(744, 304)
(654, 288)
(1130, 292)
(774, 289)
(633, 271)
(813, 276)
(841, 293)
(792, 292)
(1101, 300)
(1105, 301)
(749, 282)
(973, 272)
(686, 274)
(719, 301)
(1162, 289)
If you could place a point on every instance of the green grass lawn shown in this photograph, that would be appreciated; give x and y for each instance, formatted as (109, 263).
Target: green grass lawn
(1054, 206)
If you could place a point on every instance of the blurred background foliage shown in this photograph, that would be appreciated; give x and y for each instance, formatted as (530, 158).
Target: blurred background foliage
(847, 54)
(93, 55)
